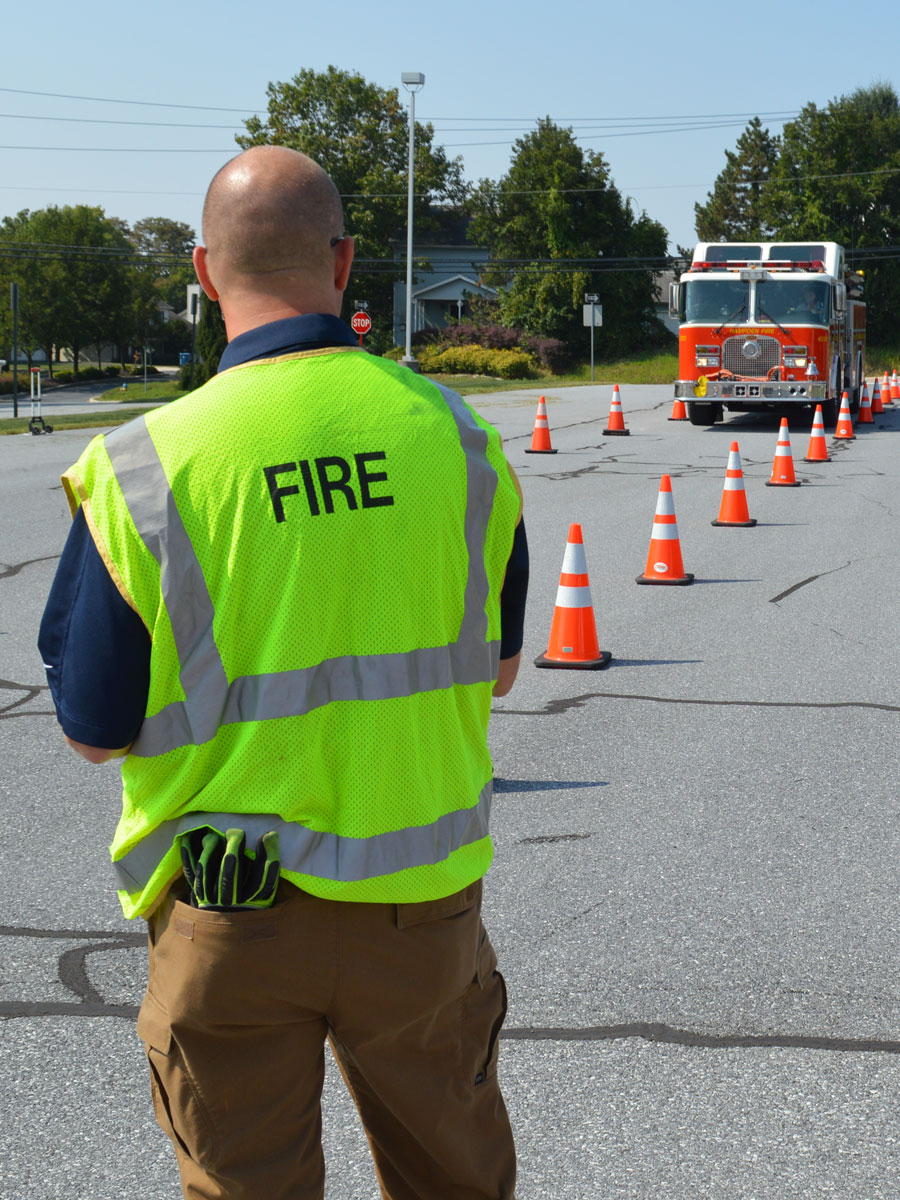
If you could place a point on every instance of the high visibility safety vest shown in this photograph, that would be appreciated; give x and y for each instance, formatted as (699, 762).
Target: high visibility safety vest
(316, 544)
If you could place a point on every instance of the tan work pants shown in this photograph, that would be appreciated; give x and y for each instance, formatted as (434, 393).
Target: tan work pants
(235, 1019)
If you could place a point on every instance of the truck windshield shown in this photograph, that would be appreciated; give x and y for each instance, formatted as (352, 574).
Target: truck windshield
(792, 301)
(715, 300)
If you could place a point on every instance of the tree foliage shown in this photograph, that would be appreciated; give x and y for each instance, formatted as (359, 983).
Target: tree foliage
(836, 177)
(736, 207)
(358, 132)
(558, 203)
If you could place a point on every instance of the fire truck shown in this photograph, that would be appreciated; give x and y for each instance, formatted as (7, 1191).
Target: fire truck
(768, 326)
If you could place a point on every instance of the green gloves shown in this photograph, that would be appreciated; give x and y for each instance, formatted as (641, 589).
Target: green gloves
(221, 874)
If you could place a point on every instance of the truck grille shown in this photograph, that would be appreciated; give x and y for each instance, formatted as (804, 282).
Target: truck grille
(735, 359)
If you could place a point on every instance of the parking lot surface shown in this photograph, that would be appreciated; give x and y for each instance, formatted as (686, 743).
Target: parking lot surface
(695, 891)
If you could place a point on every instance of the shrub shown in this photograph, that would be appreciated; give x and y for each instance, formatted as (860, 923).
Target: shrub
(478, 360)
(557, 356)
(111, 372)
(64, 376)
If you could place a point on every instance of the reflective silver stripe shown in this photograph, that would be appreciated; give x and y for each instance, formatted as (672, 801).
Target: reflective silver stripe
(152, 506)
(323, 855)
(210, 701)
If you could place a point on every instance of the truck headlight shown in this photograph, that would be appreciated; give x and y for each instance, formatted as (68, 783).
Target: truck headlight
(707, 356)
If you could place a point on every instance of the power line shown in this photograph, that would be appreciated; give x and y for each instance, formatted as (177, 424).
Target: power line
(113, 121)
(143, 103)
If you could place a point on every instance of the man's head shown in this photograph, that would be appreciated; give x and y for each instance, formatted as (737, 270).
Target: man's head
(272, 228)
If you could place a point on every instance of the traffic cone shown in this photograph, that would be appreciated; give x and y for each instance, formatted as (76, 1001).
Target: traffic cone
(679, 412)
(886, 390)
(864, 417)
(664, 563)
(877, 406)
(818, 448)
(844, 427)
(616, 422)
(540, 438)
(573, 631)
(733, 509)
(783, 466)
(895, 389)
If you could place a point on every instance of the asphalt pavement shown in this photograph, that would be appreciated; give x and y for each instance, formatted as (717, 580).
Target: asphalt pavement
(694, 896)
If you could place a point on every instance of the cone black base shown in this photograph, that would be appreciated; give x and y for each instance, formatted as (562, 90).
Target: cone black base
(590, 664)
(735, 524)
(815, 460)
(769, 483)
(617, 432)
(676, 418)
(540, 451)
(688, 578)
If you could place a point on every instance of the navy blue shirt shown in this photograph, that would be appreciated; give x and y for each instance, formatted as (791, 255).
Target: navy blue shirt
(95, 647)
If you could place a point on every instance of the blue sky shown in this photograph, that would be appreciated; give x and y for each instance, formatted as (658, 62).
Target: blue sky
(635, 81)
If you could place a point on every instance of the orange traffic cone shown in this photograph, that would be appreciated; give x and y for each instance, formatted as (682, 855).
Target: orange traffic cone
(895, 389)
(573, 632)
(877, 406)
(616, 423)
(844, 427)
(783, 466)
(886, 389)
(664, 563)
(864, 416)
(540, 438)
(733, 509)
(679, 412)
(818, 448)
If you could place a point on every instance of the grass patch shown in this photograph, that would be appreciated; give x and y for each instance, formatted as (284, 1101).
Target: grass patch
(103, 418)
(879, 359)
(645, 368)
(157, 389)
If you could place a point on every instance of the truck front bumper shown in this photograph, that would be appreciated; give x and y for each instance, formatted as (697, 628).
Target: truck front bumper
(758, 390)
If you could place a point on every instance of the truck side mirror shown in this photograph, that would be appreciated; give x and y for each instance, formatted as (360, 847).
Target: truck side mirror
(674, 310)
(840, 297)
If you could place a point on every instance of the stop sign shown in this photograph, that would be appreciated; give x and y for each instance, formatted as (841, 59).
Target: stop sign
(360, 323)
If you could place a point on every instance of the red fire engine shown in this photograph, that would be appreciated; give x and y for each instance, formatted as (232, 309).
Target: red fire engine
(767, 326)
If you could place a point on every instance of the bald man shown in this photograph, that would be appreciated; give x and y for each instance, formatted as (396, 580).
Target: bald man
(285, 603)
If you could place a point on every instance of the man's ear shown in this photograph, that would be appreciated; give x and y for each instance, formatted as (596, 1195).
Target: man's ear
(199, 257)
(343, 261)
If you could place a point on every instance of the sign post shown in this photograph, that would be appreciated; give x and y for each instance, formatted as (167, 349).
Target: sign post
(592, 315)
(361, 323)
(14, 302)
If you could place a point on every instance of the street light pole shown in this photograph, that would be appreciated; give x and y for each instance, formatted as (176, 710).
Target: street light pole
(413, 81)
(14, 300)
(194, 299)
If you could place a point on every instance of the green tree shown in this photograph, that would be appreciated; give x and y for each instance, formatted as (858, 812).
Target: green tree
(838, 178)
(72, 267)
(359, 132)
(211, 342)
(558, 203)
(165, 242)
(736, 207)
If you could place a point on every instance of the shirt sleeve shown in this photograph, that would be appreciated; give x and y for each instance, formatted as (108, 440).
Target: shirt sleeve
(95, 649)
(513, 595)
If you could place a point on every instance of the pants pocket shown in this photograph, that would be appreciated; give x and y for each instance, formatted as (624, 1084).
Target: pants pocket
(483, 1013)
(178, 1108)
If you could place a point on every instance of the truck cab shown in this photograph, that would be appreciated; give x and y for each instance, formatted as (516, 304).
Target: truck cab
(767, 326)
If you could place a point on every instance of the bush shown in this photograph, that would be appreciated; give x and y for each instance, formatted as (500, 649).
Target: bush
(111, 372)
(555, 355)
(138, 369)
(478, 360)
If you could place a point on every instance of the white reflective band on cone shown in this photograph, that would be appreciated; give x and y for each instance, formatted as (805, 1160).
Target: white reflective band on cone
(573, 597)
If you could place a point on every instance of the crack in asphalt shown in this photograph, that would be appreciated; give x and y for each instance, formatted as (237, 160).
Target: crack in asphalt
(8, 570)
(31, 690)
(73, 975)
(553, 708)
(804, 582)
